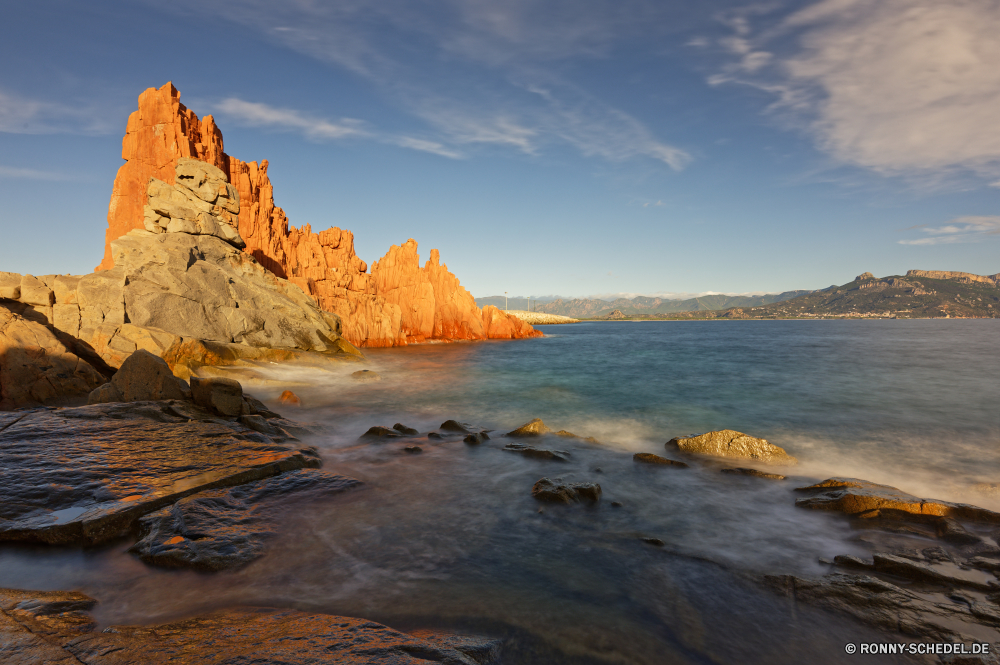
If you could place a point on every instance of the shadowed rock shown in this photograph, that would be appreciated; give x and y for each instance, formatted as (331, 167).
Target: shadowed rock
(403, 429)
(226, 528)
(904, 567)
(537, 453)
(733, 444)
(476, 438)
(413, 449)
(455, 426)
(534, 428)
(223, 396)
(54, 627)
(744, 471)
(553, 491)
(862, 498)
(378, 432)
(650, 458)
(86, 474)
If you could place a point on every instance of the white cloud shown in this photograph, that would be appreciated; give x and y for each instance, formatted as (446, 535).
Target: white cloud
(23, 115)
(32, 174)
(262, 115)
(896, 86)
(958, 230)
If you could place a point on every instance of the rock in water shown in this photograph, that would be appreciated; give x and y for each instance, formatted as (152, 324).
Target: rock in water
(863, 498)
(227, 528)
(730, 443)
(538, 453)
(55, 627)
(141, 377)
(366, 375)
(650, 458)
(556, 492)
(288, 398)
(534, 428)
(403, 429)
(744, 471)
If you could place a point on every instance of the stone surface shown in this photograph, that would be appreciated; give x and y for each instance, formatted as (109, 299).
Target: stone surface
(227, 528)
(200, 202)
(455, 426)
(733, 444)
(289, 398)
(37, 367)
(476, 438)
(534, 428)
(378, 432)
(554, 491)
(143, 376)
(365, 375)
(403, 429)
(744, 471)
(537, 453)
(650, 458)
(861, 498)
(55, 627)
(86, 474)
(219, 395)
(10, 285)
(397, 303)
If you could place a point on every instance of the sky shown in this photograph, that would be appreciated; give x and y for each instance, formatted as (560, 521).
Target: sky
(594, 148)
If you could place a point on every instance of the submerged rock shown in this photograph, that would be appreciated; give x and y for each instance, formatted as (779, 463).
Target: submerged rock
(378, 432)
(650, 458)
(455, 426)
(288, 398)
(730, 443)
(403, 429)
(534, 428)
(55, 627)
(226, 528)
(537, 453)
(476, 438)
(556, 492)
(365, 375)
(862, 498)
(744, 471)
(85, 475)
(413, 449)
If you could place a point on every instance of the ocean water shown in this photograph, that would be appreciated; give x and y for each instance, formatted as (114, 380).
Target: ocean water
(451, 537)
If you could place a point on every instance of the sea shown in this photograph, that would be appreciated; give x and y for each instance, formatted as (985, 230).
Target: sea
(451, 538)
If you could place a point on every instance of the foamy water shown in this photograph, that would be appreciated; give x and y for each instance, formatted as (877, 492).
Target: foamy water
(452, 538)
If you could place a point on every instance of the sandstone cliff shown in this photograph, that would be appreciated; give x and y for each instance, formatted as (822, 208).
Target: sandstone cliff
(398, 302)
(964, 277)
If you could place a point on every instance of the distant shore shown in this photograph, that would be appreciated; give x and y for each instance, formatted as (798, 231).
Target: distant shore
(536, 318)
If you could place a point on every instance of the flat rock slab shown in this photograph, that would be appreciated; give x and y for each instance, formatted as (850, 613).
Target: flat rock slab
(84, 475)
(537, 453)
(650, 458)
(53, 627)
(227, 528)
(861, 498)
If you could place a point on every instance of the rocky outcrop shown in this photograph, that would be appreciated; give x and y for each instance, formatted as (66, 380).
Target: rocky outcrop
(56, 627)
(85, 475)
(397, 303)
(964, 277)
(862, 498)
(554, 491)
(732, 444)
(36, 366)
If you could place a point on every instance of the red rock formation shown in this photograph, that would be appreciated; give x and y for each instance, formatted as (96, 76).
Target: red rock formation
(397, 303)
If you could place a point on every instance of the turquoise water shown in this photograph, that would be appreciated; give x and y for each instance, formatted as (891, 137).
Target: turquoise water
(452, 538)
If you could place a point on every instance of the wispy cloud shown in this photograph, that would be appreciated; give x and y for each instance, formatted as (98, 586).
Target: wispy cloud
(462, 66)
(958, 230)
(33, 174)
(895, 86)
(255, 114)
(24, 115)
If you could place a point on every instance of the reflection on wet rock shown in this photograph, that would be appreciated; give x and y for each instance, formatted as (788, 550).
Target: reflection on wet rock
(86, 474)
(54, 627)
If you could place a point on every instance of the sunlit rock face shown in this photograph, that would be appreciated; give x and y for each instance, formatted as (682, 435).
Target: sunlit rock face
(397, 303)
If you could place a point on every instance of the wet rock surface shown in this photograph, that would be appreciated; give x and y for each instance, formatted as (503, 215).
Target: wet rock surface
(227, 528)
(86, 474)
(733, 444)
(555, 491)
(537, 453)
(862, 498)
(534, 428)
(744, 471)
(650, 458)
(54, 627)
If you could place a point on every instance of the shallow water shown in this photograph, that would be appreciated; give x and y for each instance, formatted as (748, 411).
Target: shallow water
(452, 537)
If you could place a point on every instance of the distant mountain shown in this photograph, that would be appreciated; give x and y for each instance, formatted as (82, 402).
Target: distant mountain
(915, 296)
(648, 306)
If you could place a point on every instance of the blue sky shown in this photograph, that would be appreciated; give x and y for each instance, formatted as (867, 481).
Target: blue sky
(581, 149)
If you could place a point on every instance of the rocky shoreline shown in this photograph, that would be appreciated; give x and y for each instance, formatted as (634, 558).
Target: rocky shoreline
(934, 571)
